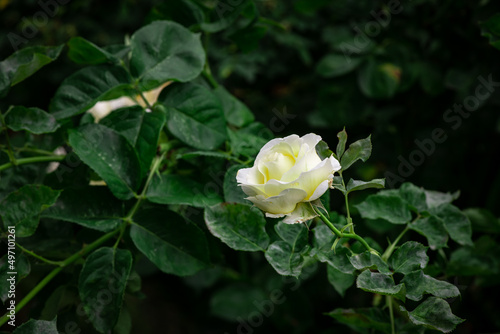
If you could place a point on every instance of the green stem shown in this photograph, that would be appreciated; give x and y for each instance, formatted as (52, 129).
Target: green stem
(33, 150)
(56, 271)
(144, 99)
(207, 74)
(41, 258)
(360, 239)
(122, 230)
(32, 160)
(339, 234)
(392, 246)
(349, 219)
(391, 313)
(328, 223)
(154, 169)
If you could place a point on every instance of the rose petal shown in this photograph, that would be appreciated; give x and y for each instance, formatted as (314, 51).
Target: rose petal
(279, 165)
(249, 176)
(310, 180)
(264, 150)
(295, 143)
(252, 190)
(272, 215)
(302, 213)
(307, 161)
(311, 139)
(320, 190)
(283, 203)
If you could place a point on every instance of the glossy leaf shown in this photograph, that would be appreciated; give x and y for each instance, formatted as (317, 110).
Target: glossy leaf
(178, 189)
(323, 238)
(104, 275)
(239, 226)
(194, 115)
(92, 207)
(34, 120)
(81, 90)
(334, 65)
(163, 51)
(284, 259)
(363, 318)
(339, 280)
(359, 150)
(456, 223)
(22, 208)
(381, 284)
(172, 244)
(249, 140)
(436, 198)
(342, 136)
(417, 284)
(414, 195)
(296, 235)
(408, 257)
(33, 326)
(235, 111)
(24, 63)
(141, 129)
(82, 51)
(355, 185)
(433, 229)
(367, 260)
(233, 192)
(338, 258)
(110, 155)
(390, 208)
(434, 313)
(337, 184)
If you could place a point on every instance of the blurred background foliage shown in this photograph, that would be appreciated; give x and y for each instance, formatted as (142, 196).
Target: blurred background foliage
(287, 61)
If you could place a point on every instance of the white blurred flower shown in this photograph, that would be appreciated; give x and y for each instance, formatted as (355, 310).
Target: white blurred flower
(103, 108)
(54, 165)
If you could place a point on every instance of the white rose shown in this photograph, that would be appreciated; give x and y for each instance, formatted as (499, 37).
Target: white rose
(287, 172)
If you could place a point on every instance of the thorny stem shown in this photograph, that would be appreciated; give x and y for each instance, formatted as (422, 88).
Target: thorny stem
(340, 235)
